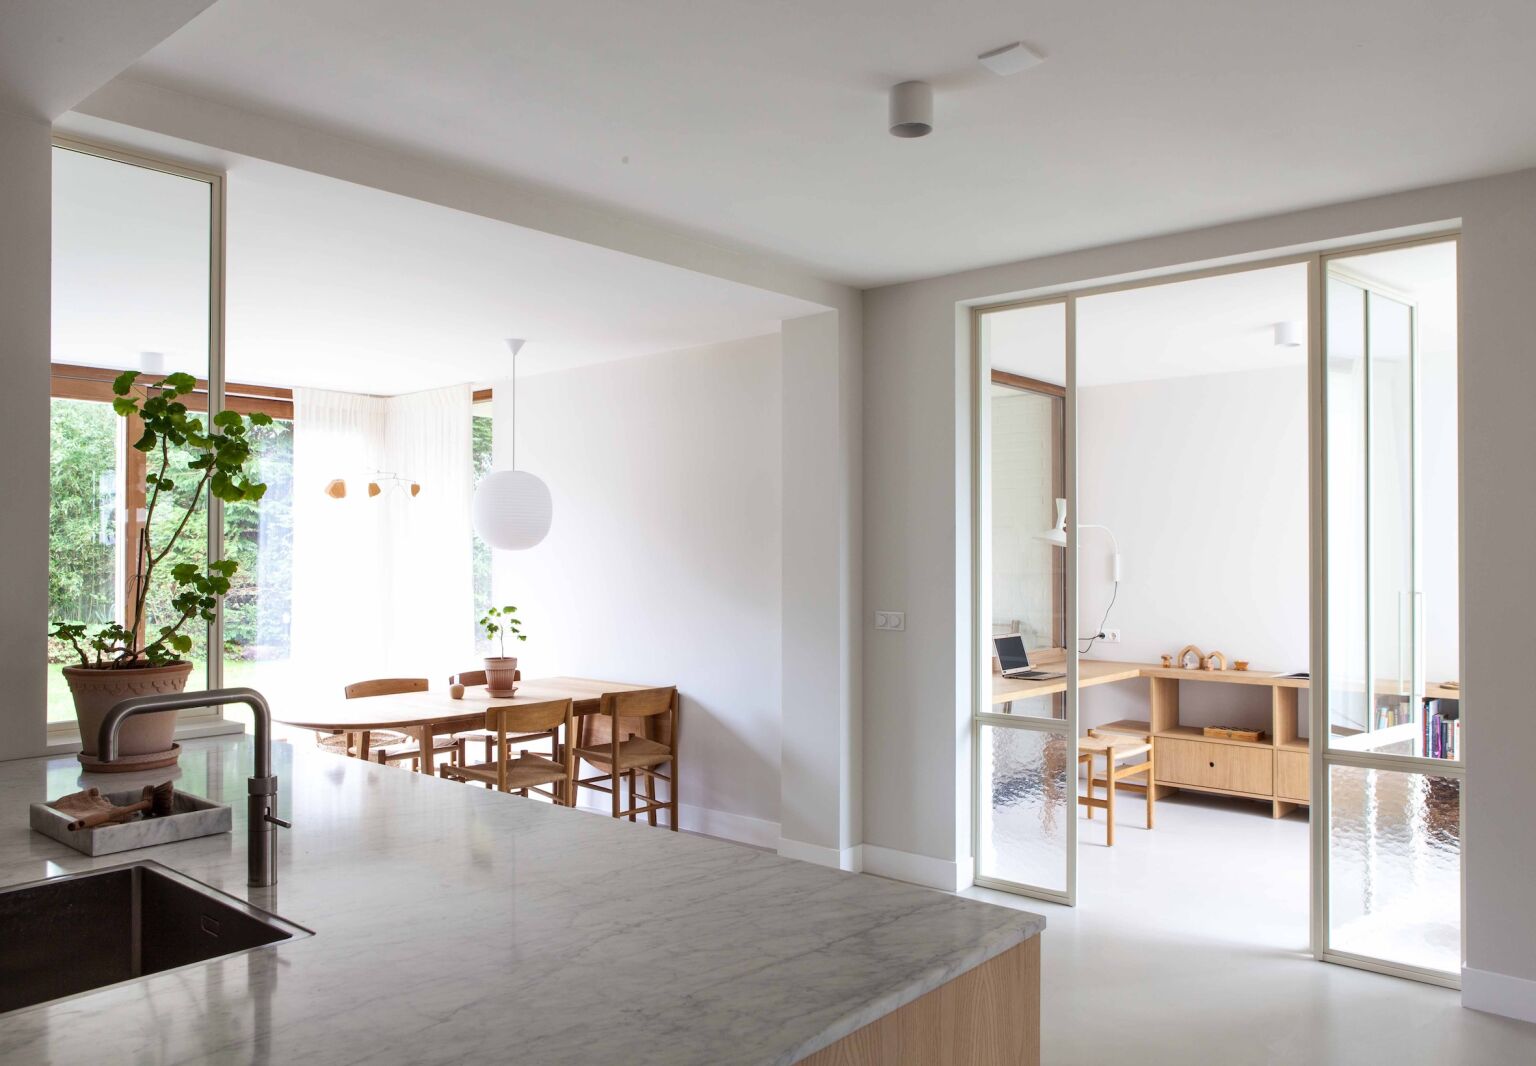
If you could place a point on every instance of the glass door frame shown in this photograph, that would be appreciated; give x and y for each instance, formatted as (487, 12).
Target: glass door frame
(206, 719)
(982, 715)
(1323, 756)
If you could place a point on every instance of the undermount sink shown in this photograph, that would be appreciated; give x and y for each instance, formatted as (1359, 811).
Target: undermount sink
(83, 931)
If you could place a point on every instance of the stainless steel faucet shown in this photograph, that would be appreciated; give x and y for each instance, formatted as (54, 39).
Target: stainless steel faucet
(262, 820)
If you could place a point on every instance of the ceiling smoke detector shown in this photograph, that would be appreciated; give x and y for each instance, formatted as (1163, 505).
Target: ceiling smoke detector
(1010, 59)
(911, 109)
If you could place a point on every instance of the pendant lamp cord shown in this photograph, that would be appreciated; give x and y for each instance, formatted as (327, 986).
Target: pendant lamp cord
(514, 410)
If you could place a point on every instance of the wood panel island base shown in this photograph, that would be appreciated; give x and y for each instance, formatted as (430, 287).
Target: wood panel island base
(989, 1016)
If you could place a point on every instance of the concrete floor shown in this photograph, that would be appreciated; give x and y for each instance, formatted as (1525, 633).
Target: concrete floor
(1189, 946)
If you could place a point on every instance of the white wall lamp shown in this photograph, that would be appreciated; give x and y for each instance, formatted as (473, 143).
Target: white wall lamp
(1290, 334)
(512, 509)
(1057, 535)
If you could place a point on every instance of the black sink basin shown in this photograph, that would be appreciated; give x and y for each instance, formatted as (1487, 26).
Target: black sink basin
(82, 931)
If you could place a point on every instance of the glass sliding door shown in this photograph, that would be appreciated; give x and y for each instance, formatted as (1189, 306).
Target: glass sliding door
(1025, 742)
(136, 286)
(1387, 802)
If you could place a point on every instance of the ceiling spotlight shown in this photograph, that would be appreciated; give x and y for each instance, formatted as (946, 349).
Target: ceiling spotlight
(1010, 59)
(1289, 334)
(911, 109)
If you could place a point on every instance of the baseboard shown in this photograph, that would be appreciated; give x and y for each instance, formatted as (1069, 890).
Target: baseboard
(850, 859)
(923, 870)
(741, 828)
(1498, 993)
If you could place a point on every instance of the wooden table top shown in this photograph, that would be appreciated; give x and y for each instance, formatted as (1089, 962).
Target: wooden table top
(1104, 671)
(406, 710)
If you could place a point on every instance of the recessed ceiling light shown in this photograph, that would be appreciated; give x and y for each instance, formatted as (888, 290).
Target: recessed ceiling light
(1010, 59)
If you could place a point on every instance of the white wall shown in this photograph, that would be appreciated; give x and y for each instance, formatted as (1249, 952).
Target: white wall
(663, 562)
(1204, 481)
(917, 549)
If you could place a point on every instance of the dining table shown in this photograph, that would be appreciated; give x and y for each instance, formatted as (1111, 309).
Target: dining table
(423, 716)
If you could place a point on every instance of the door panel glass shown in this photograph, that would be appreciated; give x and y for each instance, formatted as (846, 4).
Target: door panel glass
(1348, 695)
(1389, 343)
(1025, 803)
(1394, 866)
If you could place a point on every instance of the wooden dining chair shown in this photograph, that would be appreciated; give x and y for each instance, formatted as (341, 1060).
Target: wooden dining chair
(602, 742)
(527, 771)
(469, 678)
(396, 747)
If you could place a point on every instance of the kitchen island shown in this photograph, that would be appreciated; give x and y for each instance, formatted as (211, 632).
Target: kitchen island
(458, 925)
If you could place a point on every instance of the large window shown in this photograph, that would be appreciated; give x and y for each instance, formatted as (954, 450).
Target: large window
(484, 461)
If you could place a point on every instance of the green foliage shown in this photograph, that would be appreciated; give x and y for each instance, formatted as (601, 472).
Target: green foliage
(500, 623)
(480, 454)
(214, 458)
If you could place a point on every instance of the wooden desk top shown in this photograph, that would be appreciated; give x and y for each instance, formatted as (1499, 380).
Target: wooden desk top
(1104, 671)
(405, 710)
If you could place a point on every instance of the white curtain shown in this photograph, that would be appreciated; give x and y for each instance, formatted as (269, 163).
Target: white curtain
(382, 586)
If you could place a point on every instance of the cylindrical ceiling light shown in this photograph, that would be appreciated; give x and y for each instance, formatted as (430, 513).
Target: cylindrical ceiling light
(512, 509)
(912, 109)
(1290, 334)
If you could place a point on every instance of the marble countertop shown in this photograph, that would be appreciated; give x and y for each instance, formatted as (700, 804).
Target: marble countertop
(457, 925)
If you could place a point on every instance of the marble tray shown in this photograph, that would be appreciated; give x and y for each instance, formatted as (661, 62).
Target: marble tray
(191, 816)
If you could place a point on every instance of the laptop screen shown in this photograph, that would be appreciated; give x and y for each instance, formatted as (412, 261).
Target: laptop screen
(1011, 655)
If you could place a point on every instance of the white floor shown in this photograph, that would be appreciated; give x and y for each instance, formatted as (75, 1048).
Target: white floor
(1189, 946)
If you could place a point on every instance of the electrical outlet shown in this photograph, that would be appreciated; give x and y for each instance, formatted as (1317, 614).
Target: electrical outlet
(893, 620)
(1111, 636)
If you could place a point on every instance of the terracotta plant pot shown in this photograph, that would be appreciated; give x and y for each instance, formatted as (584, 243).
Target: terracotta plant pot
(501, 675)
(97, 690)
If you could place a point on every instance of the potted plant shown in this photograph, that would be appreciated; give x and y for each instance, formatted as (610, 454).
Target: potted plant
(500, 623)
(186, 459)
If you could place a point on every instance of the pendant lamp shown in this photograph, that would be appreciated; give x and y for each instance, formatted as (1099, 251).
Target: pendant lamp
(512, 509)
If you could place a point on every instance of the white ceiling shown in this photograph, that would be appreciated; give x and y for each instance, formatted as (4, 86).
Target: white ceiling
(763, 124)
(333, 285)
(1212, 325)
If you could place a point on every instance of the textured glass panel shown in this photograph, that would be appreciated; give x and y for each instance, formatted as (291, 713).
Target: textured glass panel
(1394, 867)
(1025, 801)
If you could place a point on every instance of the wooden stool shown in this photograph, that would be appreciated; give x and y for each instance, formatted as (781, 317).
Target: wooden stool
(1115, 746)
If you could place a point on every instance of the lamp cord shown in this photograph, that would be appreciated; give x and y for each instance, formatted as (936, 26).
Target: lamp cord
(1114, 593)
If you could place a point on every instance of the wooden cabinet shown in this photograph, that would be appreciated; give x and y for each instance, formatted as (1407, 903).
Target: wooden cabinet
(1247, 768)
(1293, 775)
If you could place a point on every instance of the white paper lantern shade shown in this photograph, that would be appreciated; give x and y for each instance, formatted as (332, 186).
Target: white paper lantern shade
(512, 510)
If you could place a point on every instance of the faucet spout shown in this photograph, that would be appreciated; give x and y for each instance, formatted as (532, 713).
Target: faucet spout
(262, 820)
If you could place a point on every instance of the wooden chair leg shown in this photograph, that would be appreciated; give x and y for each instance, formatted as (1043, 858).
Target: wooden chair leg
(631, 778)
(614, 780)
(1109, 796)
(1151, 790)
(672, 785)
(1089, 764)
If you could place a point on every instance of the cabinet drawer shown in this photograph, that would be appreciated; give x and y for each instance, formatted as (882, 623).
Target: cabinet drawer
(1293, 775)
(1224, 766)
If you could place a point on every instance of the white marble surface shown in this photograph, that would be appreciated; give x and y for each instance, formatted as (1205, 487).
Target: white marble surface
(457, 925)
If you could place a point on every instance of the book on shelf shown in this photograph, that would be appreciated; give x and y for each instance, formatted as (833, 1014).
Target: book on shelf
(1442, 729)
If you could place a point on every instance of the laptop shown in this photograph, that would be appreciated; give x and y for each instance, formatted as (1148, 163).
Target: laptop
(1015, 660)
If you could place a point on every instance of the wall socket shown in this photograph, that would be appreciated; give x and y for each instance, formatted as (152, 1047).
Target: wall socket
(1111, 636)
(890, 620)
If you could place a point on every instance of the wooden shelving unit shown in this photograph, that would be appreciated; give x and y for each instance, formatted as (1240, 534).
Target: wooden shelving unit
(1275, 770)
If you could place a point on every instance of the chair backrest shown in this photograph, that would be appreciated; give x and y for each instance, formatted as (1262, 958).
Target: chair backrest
(641, 703)
(477, 677)
(530, 717)
(385, 686)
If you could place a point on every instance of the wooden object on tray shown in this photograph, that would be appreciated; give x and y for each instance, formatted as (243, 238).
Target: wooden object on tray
(92, 808)
(1227, 732)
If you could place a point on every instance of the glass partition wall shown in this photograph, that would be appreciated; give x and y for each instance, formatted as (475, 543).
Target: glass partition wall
(1025, 749)
(1386, 782)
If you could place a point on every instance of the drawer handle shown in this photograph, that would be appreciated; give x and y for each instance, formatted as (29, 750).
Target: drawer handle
(1213, 766)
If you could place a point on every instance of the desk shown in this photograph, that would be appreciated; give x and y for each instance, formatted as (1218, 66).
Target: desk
(1276, 770)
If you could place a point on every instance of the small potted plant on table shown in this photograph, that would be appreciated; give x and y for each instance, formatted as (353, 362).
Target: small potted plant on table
(500, 623)
(123, 659)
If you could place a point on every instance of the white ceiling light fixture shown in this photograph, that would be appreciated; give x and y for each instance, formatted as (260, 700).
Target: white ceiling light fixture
(911, 109)
(512, 509)
(1290, 334)
(1010, 59)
